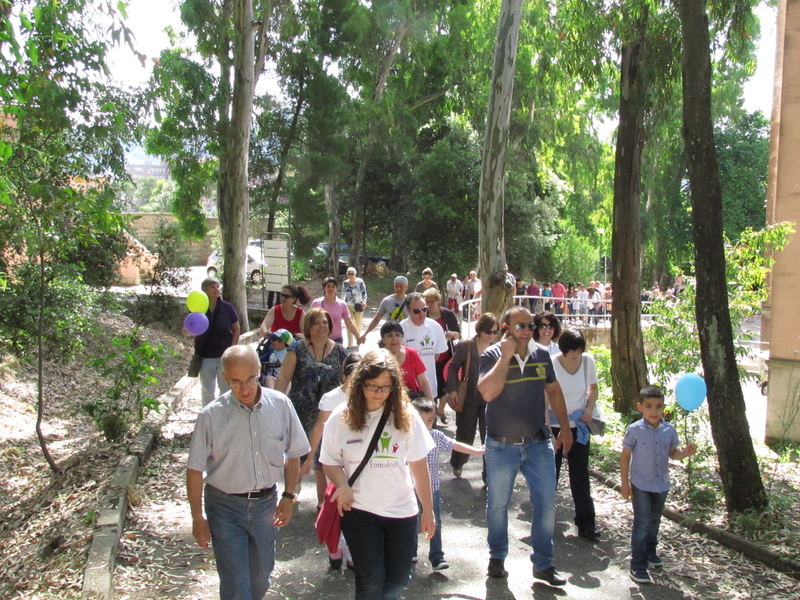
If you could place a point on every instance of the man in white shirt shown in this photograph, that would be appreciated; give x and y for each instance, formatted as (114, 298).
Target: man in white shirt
(424, 335)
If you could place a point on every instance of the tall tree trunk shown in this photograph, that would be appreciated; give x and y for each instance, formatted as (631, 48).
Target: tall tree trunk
(738, 467)
(357, 235)
(491, 242)
(628, 365)
(334, 232)
(237, 209)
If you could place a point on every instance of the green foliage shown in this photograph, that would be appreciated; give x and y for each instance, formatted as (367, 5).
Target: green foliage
(441, 216)
(169, 276)
(130, 368)
(742, 157)
(300, 270)
(69, 306)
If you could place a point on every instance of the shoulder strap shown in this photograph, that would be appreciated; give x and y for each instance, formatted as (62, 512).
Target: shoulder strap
(469, 357)
(372, 444)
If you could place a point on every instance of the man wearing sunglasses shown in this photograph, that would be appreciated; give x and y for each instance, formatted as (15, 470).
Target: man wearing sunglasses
(424, 335)
(514, 376)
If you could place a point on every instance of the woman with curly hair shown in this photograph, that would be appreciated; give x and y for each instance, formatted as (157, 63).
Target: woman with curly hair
(379, 513)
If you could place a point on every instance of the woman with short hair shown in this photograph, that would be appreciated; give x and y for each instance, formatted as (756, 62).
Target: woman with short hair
(411, 365)
(547, 330)
(577, 375)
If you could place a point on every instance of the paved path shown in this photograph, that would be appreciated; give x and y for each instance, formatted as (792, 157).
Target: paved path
(159, 559)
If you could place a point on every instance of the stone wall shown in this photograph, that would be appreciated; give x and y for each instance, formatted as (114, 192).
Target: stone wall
(145, 223)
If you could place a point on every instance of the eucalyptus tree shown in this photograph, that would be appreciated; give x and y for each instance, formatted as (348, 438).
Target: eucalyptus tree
(203, 116)
(738, 466)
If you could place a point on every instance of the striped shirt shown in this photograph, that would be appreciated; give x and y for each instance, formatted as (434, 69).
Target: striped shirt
(519, 409)
(243, 450)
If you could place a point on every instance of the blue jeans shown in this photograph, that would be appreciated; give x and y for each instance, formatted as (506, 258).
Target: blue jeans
(244, 542)
(535, 460)
(211, 379)
(435, 553)
(647, 508)
(381, 548)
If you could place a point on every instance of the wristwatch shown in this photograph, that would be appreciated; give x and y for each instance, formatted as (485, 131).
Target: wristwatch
(289, 496)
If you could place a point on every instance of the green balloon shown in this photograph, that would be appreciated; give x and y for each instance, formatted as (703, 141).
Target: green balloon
(197, 302)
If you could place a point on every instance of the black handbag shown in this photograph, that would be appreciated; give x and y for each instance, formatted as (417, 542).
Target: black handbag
(194, 365)
(358, 307)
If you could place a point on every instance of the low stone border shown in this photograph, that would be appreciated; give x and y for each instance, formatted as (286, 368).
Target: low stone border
(726, 538)
(99, 570)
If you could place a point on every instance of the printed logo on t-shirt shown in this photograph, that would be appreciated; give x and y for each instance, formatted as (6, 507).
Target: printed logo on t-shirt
(396, 314)
(386, 446)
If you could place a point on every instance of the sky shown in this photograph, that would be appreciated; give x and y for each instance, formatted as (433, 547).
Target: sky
(148, 18)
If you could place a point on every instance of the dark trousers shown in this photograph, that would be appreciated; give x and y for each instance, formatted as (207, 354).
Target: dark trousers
(473, 416)
(381, 548)
(578, 461)
(647, 509)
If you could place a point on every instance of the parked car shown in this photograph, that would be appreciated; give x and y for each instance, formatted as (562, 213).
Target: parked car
(321, 251)
(254, 264)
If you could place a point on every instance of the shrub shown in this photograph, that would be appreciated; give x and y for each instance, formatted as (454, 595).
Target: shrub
(131, 368)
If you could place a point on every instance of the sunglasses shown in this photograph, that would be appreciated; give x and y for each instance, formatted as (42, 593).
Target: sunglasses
(416, 311)
(524, 326)
(546, 326)
(286, 296)
(493, 332)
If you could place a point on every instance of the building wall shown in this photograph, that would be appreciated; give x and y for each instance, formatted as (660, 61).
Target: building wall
(144, 224)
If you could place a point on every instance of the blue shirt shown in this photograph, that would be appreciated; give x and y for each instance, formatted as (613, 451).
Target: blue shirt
(650, 450)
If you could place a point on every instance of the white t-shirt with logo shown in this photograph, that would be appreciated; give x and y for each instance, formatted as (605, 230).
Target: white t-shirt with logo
(428, 340)
(384, 487)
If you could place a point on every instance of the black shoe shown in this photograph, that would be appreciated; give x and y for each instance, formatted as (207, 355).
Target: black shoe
(551, 576)
(590, 533)
(443, 418)
(497, 568)
(336, 563)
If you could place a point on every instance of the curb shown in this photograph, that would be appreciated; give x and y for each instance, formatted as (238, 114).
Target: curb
(99, 570)
(750, 549)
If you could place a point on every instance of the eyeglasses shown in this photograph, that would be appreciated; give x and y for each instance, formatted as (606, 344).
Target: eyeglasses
(380, 389)
(524, 326)
(493, 332)
(416, 311)
(286, 296)
(237, 383)
(546, 326)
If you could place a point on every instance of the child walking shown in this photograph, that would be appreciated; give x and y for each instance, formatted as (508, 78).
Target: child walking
(427, 410)
(648, 445)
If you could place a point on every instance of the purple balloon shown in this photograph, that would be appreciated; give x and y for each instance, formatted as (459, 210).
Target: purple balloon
(196, 323)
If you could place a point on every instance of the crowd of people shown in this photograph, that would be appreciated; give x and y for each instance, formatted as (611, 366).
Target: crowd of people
(304, 402)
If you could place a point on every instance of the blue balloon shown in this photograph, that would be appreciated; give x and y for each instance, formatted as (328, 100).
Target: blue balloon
(196, 323)
(690, 391)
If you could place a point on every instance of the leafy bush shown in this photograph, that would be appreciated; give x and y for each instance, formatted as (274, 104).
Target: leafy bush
(131, 368)
(170, 275)
(68, 308)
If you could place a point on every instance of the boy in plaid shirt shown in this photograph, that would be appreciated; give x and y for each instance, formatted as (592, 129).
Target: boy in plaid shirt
(427, 410)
